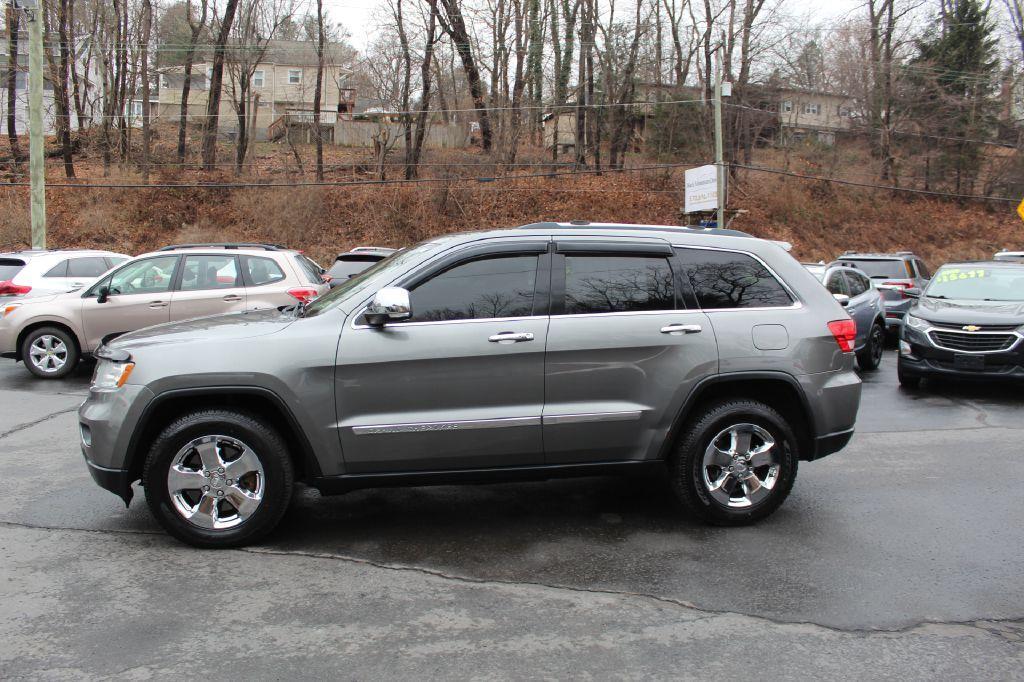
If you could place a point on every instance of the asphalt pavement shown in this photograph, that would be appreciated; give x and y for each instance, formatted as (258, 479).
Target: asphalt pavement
(900, 556)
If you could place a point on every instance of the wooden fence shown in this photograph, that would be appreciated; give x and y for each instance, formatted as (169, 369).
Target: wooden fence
(361, 133)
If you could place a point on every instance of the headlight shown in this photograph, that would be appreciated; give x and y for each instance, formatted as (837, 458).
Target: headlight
(915, 322)
(111, 375)
(8, 309)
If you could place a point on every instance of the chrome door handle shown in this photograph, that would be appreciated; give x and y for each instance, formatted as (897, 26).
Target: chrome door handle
(678, 329)
(232, 298)
(510, 337)
(158, 304)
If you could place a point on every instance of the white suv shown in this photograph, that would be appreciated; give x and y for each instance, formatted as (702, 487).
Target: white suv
(39, 272)
(50, 334)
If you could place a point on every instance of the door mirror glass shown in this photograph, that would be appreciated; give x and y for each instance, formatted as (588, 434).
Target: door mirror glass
(390, 304)
(102, 294)
(842, 299)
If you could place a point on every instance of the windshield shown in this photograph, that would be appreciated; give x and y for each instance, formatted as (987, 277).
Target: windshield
(396, 261)
(978, 283)
(877, 268)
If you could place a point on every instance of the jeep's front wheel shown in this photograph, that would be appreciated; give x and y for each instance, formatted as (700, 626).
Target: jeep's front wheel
(735, 463)
(218, 478)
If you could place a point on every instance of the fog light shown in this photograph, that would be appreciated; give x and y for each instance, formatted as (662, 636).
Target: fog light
(904, 347)
(86, 435)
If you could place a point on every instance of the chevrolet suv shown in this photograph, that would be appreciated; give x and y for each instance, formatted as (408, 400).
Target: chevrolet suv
(544, 351)
(50, 334)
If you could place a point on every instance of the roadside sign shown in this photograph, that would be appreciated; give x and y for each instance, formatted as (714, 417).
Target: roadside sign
(1020, 208)
(701, 189)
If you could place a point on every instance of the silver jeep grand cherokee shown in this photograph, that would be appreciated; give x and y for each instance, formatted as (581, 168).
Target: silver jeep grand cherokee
(538, 352)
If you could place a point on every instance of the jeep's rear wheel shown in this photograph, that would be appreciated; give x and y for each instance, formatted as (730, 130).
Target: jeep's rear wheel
(735, 463)
(218, 478)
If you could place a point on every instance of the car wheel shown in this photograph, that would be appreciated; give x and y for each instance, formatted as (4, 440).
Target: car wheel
(870, 356)
(735, 463)
(906, 380)
(49, 353)
(218, 478)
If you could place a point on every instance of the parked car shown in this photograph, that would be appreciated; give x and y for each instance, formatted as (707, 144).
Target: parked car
(898, 277)
(968, 324)
(355, 261)
(38, 272)
(543, 351)
(1013, 256)
(855, 291)
(50, 334)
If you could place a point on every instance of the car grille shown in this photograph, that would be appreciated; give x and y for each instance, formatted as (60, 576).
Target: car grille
(972, 342)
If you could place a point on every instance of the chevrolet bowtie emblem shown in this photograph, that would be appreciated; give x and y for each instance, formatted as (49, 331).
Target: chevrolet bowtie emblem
(971, 328)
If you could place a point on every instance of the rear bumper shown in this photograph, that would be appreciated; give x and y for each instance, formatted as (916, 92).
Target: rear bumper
(834, 402)
(833, 442)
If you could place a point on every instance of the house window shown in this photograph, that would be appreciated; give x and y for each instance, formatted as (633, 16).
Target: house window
(294, 76)
(811, 108)
(257, 78)
(843, 112)
(787, 106)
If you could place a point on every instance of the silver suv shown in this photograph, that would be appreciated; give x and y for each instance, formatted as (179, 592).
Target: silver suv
(899, 277)
(544, 351)
(50, 334)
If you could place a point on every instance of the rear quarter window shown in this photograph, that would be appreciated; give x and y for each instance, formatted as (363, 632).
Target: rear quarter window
(309, 269)
(730, 280)
(9, 268)
(258, 271)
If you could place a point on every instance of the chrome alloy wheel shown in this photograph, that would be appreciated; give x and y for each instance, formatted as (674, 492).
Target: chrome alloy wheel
(741, 465)
(216, 482)
(48, 354)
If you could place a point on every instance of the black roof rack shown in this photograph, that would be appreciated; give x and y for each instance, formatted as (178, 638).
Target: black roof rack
(226, 245)
(723, 232)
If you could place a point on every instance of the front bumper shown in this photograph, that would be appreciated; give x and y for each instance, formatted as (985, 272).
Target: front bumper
(114, 480)
(106, 422)
(919, 357)
(8, 341)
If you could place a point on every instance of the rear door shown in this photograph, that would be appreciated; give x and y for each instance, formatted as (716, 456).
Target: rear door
(624, 350)
(863, 304)
(82, 270)
(140, 296)
(208, 284)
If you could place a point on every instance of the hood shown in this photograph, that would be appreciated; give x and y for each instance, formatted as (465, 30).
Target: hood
(961, 312)
(227, 327)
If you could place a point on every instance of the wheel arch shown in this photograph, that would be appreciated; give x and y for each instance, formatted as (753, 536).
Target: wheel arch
(779, 390)
(39, 324)
(262, 402)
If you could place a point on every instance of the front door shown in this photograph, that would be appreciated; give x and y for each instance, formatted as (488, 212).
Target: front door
(139, 296)
(623, 352)
(862, 306)
(461, 384)
(208, 285)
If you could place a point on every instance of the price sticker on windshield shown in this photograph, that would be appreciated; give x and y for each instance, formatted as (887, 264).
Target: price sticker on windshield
(957, 274)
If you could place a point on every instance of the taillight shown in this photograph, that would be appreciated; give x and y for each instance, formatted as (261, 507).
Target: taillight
(9, 288)
(303, 294)
(845, 333)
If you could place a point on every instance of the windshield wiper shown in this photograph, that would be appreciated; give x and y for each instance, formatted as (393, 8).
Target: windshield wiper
(935, 296)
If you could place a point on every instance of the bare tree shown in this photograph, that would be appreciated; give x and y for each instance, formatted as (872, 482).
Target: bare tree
(216, 80)
(318, 93)
(12, 81)
(196, 27)
(57, 13)
(144, 35)
(449, 16)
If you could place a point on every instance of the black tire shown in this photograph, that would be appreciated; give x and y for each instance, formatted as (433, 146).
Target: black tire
(686, 470)
(906, 380)
(70, 356)
(870, 356)
(264, 441)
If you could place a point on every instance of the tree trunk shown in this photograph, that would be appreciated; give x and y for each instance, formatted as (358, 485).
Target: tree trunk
(186, 86)
(421, 117)
(12, 82)
(216, 79)
(147, 26)
(455, 26)
(321, 38)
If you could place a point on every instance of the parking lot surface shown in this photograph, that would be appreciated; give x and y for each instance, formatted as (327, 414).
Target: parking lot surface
(900, 555)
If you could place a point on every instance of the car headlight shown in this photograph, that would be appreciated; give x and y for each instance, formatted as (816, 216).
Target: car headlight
(915, 322)
(111, 375)
(8, 309)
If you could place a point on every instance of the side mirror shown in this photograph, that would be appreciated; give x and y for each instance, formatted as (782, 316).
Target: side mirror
(912, 292)
(842, 299)
(102, 294)
(390, 304)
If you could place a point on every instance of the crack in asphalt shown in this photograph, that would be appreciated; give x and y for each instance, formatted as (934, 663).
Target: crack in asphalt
(989, 626)
(29, 425)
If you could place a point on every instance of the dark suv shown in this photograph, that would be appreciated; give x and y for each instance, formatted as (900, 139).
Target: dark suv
(545, 351)
(968, 324)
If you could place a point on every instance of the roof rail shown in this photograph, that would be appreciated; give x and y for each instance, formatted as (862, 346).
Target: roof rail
(226, 245)
(648, 228)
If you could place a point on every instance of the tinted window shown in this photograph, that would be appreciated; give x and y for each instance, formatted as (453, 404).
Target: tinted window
(877, 268)
(615, 284)
(58, 270)
(147, 276)
(262, 271)
(724, 279)
(858, 283)
(9, 267)
(495, 287)
(836, 284)
(91, 266)
(922, 269)
(209, 272)
(345, 268)
(310, 269)
(115, 260)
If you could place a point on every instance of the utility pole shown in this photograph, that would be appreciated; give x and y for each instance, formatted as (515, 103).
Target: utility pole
(36, 163)
(719, 154)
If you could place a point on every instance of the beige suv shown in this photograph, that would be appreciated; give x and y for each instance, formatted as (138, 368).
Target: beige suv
(52, 333)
